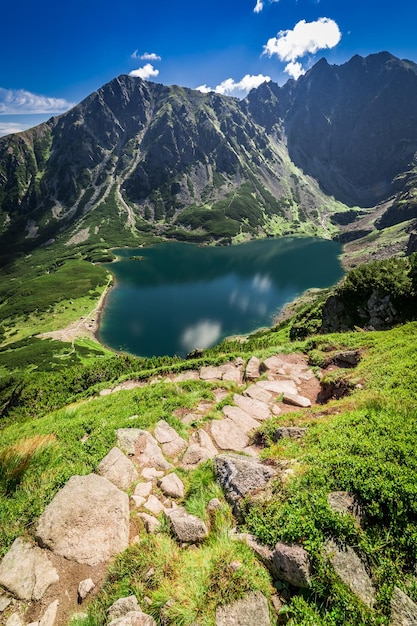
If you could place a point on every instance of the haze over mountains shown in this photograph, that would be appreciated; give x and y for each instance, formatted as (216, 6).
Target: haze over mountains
(138, 157)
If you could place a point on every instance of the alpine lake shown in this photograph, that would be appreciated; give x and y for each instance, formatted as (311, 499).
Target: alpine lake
(174, 297)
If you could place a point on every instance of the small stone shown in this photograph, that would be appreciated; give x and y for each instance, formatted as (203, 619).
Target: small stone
(14, 620)
(122, 606)
(118, 469)
(150, 522)
(150, 473)
(172, 485)
(85, 587)
(187, 528)
(288, 432)
(214, 505)
(143, 446)
(138, 501)
(154, 505)
(49, 617)
(143, 489)
(195, 455)
(343, 502)
(296, 400)
(5, 601)
(291, 563)
(252, 369)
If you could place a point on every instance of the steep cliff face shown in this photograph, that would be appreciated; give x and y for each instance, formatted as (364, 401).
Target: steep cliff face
(137, 156)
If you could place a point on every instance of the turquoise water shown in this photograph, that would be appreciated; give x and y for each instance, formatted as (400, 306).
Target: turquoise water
(176, 296)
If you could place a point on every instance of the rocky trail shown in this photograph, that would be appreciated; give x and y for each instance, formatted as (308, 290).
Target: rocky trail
(46, 580)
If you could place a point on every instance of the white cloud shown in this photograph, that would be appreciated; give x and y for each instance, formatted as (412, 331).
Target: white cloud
(294, 69)
(260, 5)
(202, 335)
(145, 72)
(146, 56)
(243, 86)
(305, 38)
(8, 128)
(21, 102)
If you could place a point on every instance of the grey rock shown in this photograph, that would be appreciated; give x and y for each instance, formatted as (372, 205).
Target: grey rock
(291, 563)
(26, 571)
(143, 489)
(122, 606)
(211, 373)
(288, 432)
(403, 609)
(273, 364)
(49, 617)
(347, 358)
(278, 387)
(187, 528)
(5, 601)
(150, 522)
(255, 392)
(214, 505)
(172, 444)
(255, 408)
(234, 374)
(140, 444)
(118, 469)
(252, 371)
(134, 618)
(250, 610)
(351, 570)
(154, 505)
(228, 436)
(343, 502)
(172, 485)
(195, 455)
(244, 421)
(138, 501)
(240, 476)
(297, 400)
(87, 521)
(14, 620)
(150, 473)
(85, 587)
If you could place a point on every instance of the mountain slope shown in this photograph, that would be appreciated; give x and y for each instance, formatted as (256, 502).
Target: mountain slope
(138, 158)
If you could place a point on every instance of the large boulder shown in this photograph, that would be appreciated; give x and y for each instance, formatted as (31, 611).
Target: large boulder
(250, 610)
(26, 571)
(87, 521)
(240, 476)
(351, 570)
(118, 469)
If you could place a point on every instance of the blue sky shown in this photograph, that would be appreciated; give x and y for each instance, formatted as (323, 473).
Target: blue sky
(55, 54)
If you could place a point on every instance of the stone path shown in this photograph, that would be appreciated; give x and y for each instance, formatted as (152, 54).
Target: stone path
(92, 518)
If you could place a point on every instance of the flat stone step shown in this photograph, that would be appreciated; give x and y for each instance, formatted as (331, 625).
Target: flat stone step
(240, 418)
(255, 408)
(228, 436)
(278, 387)
(257, 393)
(297, 400)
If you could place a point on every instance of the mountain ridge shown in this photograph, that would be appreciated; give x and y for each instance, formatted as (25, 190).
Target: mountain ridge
(137, 158)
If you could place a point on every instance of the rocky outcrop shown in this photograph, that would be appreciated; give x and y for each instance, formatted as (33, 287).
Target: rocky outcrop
(87, 521)
(403, 609)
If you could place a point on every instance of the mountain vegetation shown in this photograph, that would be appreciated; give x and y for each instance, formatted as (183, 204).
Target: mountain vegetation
(331, 155)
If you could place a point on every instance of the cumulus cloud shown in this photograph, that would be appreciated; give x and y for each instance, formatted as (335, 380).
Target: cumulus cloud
(21, 102)
(146, 56)
(305, 38)
(243, 86)
(145, 72)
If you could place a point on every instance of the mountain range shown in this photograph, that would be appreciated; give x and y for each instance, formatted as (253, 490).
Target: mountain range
(331, 154)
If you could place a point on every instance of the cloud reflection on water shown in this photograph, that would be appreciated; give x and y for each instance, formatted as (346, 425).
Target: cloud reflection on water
(202, 335)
